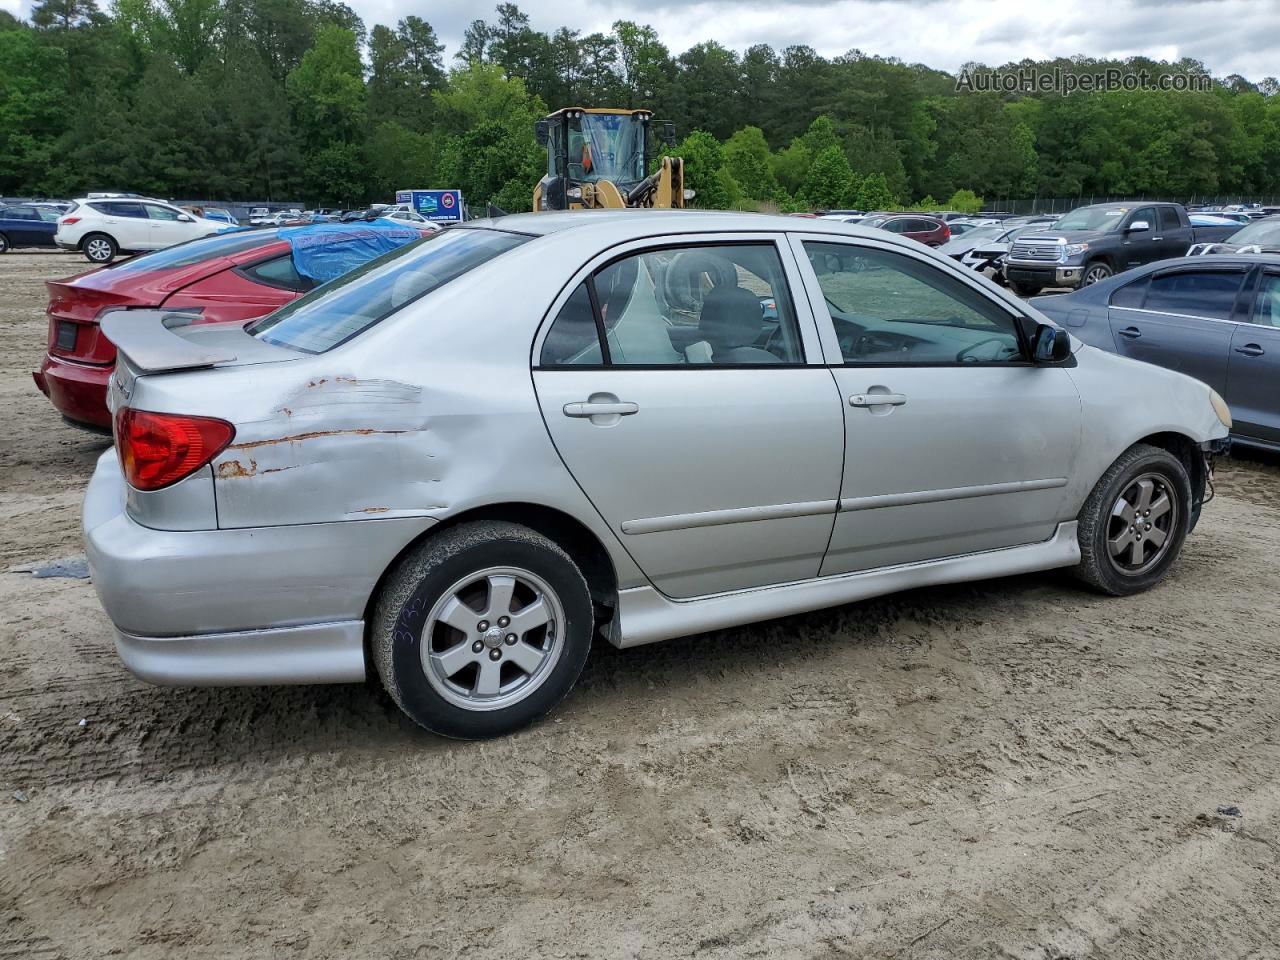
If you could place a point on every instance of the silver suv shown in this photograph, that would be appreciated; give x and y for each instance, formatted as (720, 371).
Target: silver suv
(458, 464)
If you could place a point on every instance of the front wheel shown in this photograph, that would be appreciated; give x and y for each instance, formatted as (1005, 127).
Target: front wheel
(1095, 272)
(1133, 525)
(4, 243)
(99, 248)
(482, 629)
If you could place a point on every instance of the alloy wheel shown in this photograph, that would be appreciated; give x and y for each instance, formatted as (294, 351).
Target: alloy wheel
(1096, 273)
(98, 250)
(1142, 522)
(492, 638)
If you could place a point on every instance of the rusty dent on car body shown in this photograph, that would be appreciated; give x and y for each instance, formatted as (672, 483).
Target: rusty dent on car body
(325, 429)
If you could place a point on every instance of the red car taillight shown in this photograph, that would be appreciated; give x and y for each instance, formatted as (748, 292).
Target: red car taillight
(159, 449)
(68, 221)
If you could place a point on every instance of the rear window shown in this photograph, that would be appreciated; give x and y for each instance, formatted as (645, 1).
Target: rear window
(344, 307)
(193, 251)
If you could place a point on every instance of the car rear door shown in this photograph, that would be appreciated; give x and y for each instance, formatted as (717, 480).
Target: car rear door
(1253, 366)
(954, 441)
(1181, 318)
(706, 430)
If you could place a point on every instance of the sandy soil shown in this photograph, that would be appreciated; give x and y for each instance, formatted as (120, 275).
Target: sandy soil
(1015, 768)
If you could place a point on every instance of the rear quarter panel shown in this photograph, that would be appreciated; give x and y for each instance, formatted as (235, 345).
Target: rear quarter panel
(428, 414)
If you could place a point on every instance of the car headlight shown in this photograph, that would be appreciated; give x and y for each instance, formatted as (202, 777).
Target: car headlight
(1220, 408)
(1075, 249)
(574, 193)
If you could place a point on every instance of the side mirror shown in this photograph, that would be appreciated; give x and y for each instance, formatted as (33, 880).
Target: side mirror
(542, 132)
(1050, 345)
(183, 218)
(1138, 225)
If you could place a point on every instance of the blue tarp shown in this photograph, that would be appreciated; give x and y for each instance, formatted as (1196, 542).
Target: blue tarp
(324, 251)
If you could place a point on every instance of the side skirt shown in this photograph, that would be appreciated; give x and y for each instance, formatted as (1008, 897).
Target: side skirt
(646, 616)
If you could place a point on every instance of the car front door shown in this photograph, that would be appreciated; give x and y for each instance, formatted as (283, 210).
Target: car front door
(1180, 318)
(1253, 366)
(1137, 245)
(954, 441)
(684, 388)
(168, 226)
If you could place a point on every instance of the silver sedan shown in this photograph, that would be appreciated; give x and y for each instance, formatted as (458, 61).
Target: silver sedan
(459, 464)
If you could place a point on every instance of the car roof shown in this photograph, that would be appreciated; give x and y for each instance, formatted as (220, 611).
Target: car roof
(620, 225)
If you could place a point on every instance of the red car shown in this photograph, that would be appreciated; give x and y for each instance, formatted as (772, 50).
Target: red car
(228, 276)
(931, 231)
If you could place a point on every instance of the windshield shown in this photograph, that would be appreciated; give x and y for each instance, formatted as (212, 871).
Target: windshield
(606, 146)
(1092, 218)
(193, 251)
(1264, 231)
(342, 308)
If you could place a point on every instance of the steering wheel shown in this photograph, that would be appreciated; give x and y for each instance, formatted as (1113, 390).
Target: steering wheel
(963, 355)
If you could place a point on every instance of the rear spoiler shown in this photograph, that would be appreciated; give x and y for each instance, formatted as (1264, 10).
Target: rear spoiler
(148, 339)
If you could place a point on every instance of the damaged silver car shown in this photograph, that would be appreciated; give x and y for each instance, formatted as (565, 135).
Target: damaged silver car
(456, 466)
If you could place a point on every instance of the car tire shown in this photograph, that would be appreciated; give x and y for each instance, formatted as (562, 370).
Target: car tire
(442, 652)
(99, 248)
(1118, 556)
(4, 243)
(1095, 272)
(1024, 289)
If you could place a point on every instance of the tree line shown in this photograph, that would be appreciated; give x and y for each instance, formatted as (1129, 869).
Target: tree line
(298, 99)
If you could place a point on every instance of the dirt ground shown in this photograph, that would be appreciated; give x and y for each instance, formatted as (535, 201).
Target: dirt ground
(1014, 768)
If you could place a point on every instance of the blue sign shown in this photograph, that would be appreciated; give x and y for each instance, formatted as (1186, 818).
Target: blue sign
(438, 205)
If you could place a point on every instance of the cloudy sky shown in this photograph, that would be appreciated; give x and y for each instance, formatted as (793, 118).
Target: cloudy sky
(1229, 36)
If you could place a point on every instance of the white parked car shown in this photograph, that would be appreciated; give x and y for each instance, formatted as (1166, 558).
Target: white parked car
(103, 228)
(259, 215)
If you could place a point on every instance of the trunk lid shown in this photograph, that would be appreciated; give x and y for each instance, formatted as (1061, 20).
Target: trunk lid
(82, 299)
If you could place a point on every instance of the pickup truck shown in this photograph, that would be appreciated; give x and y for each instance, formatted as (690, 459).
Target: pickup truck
(24, 225)
(1094, 242)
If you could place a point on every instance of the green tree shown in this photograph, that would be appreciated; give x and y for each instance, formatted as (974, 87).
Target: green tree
(746, 157)
(829, 182)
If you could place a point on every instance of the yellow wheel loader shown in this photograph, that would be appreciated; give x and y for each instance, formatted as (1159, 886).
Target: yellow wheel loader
(598, 158)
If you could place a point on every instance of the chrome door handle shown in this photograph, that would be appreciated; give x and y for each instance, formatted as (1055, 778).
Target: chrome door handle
(1251, 350)
(1130, 333)
(877, 400)
(588, 408)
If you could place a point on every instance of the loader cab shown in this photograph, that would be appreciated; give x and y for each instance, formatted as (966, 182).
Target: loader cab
(599, 149)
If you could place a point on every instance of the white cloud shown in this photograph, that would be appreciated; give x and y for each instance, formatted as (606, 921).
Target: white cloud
(1224, 34)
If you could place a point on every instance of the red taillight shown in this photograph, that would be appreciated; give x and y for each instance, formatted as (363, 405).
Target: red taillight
(159, 449)
(68, 221)
(946, 232)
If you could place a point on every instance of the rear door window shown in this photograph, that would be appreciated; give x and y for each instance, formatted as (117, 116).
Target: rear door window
(119, 208)
(1195, 293)
(343, 308)
(1169, 219)
(279, 272)
(1131, 294)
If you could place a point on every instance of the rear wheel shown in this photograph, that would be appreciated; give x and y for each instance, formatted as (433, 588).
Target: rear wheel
(482, 630)
(1133, 525)
(99, 248)
(4, 243)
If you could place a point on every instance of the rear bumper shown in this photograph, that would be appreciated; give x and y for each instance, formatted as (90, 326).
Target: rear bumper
(259, 605)
(316, 653)
(64, 245)
(77, 390)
